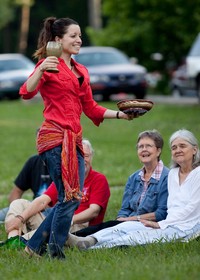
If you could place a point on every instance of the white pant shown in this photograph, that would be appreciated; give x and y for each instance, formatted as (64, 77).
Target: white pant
(133, 233)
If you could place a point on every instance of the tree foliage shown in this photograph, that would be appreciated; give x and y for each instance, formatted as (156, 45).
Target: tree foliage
(138, 27)
(10, 29)
(7, 12)
(143, 27)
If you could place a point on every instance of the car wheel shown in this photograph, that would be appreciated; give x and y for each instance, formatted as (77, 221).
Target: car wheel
(105, 97)
(13, 96)
(140, 94)
(176, 92)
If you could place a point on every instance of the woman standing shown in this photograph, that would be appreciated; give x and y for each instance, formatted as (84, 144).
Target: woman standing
(183, 214)
(66, 95)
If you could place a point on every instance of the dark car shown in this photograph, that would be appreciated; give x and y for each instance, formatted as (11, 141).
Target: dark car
(111, 72)
(14, 71)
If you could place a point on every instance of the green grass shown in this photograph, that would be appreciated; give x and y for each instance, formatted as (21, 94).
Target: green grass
(114, 140)
(177, 261)
(115, 156)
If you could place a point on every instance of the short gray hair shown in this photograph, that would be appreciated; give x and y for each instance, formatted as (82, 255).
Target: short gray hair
(190, 138)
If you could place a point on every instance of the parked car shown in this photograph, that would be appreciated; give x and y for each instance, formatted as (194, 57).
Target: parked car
(193, 65)
(14, 70)
(180, 84)
(112, 72)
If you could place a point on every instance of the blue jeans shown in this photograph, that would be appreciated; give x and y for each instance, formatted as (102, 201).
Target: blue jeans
(54, 229)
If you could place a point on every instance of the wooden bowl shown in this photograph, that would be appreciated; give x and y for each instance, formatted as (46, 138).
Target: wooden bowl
(135, 106)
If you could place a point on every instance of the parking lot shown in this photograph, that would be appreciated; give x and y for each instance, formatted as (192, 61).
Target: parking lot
(173, 99)
(166, 99)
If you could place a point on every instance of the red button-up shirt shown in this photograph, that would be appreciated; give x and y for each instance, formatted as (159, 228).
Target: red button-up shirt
(65, 98)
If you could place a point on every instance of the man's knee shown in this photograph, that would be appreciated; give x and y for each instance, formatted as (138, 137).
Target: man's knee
(17, 207)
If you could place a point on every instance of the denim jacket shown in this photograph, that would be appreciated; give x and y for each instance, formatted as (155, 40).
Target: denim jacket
(155, 199)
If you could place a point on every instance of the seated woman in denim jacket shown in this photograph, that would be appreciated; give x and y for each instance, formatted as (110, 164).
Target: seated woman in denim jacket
(183, 205)
(145, 195)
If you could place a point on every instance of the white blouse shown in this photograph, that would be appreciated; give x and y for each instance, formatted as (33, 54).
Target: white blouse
(183, 201)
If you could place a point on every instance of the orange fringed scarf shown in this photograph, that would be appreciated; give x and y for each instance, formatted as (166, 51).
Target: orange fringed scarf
(52, 135)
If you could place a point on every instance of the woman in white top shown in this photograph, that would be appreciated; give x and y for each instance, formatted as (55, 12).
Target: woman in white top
(183, 215)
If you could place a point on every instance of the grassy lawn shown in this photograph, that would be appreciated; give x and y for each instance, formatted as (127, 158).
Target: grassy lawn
(115, 156)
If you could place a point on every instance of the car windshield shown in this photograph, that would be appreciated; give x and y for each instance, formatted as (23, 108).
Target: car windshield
(14, 64)
(101, 58)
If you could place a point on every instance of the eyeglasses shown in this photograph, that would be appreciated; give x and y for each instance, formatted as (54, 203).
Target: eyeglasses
(146, 146)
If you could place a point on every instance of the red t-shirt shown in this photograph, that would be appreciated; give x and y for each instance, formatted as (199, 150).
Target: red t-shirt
(95, 191)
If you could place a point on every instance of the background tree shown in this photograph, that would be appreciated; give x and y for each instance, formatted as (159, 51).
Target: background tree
(24, 23)
(143, 27)
(6, 12)
(137, 27)
(6, 16)
(10, 31)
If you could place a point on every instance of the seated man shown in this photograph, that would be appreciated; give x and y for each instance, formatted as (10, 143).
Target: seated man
(34, 176)
(24, 216)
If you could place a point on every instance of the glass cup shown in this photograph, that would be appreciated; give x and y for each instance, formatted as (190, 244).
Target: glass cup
(53, 48)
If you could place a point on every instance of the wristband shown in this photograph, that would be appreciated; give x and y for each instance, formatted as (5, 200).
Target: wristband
(21, 218)
(117, 115)
(138, 218)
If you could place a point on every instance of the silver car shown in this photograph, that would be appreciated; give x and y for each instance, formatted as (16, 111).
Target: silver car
(14, 71)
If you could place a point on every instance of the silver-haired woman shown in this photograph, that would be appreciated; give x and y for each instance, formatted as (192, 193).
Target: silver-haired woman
(183, 215)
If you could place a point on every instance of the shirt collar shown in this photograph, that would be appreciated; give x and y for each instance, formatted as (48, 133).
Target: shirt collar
(156, 173)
